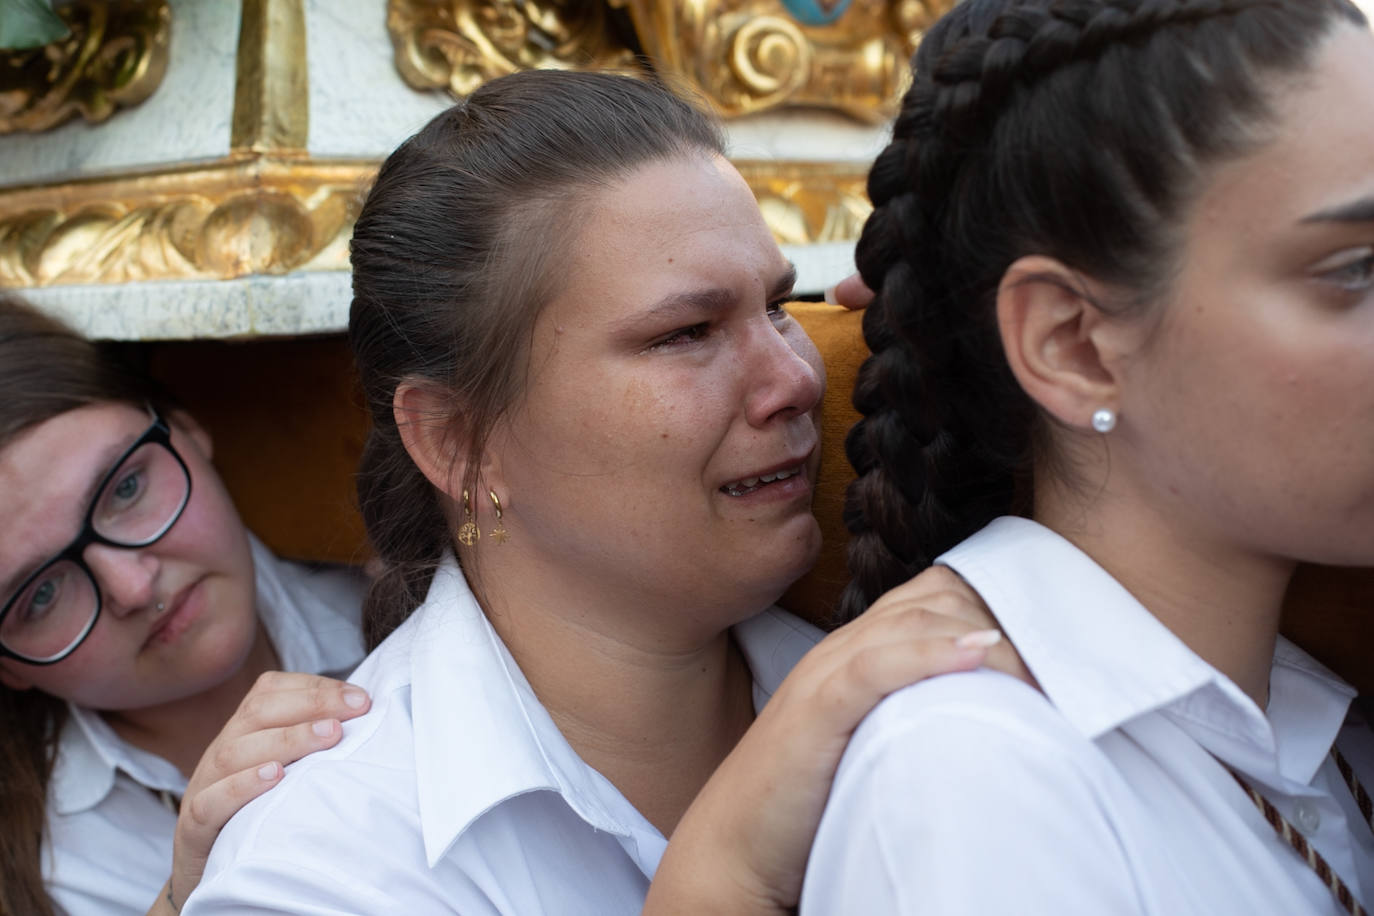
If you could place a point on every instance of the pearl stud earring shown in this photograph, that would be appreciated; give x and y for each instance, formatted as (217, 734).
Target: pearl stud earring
(1104, 420)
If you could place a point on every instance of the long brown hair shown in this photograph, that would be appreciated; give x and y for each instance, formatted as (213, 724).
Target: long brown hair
(46, 369)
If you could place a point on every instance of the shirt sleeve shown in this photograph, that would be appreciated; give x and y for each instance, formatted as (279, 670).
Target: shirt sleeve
(968, 794)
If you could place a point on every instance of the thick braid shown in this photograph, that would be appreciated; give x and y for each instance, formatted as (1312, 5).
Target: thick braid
(1001, 150)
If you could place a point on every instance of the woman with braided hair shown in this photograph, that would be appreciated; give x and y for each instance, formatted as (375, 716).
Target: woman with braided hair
(1122, 382)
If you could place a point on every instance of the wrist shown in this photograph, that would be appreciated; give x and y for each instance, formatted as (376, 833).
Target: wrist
(168, 898)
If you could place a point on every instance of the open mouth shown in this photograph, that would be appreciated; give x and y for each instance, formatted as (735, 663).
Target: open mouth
(752, 484)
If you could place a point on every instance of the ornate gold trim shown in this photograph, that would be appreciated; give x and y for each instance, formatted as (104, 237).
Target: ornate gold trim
(807, 203)
(460, 44)
(274, 215)
(114, 58)
(272, 82)
(219, 221)
(743, 56)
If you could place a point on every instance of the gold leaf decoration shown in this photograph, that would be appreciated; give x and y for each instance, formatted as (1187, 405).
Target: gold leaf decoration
(272, 216)
(742, 55)
(460, 44)
(115, 56)
(219, 221)
(807, 203)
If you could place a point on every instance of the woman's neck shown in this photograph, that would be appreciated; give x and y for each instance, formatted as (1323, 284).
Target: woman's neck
(1221, 600)
(180, 731)
(655, 717)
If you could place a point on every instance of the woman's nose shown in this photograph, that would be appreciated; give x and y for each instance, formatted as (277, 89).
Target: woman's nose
(786, 376)
(126, 577)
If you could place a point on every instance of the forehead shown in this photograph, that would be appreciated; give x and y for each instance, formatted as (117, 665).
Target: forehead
(1322, 152)
(46, 471)
(688, 222)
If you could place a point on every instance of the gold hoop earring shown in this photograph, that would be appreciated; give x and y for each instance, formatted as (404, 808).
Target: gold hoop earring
(499, 535)
(468, 532)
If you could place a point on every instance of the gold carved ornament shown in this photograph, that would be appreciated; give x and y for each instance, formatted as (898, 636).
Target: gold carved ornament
(742, 55)
(219, 221)
(115, 56)
(458, 45)
(754, 55)
(264, 216)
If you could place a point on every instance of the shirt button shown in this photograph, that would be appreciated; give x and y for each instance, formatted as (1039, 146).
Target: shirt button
(1306, 817)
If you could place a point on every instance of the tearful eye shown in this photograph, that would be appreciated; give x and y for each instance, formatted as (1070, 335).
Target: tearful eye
(681, 336)
(777, 309)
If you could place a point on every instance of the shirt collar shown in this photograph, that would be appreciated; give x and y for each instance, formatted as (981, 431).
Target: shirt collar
(467, 692)
(310, 616)
(1102, 659)
(312, 622)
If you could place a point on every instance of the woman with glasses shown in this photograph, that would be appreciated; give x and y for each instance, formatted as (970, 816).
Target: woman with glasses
(139, 622)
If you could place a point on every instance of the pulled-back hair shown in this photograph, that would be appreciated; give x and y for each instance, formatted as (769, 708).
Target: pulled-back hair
(457, 250)
(46, 369)
(1076, 129)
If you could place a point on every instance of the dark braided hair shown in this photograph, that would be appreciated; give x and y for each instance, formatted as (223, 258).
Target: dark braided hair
(455, 254)
(1075, 129)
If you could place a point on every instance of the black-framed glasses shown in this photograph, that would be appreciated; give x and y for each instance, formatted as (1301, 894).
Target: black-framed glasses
(138, 501)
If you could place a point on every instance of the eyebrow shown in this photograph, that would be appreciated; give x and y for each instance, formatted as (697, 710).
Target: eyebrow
(1360, 211)
(709, 300)
(106, 465)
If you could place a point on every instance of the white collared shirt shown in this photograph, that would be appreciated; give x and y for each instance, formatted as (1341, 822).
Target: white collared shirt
(456, 793)
(108, 844)
(974, 793)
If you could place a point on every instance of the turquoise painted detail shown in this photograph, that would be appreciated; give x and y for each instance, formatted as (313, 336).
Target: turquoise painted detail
(816, 12)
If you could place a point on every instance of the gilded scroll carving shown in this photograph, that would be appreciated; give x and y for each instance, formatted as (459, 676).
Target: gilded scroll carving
(215, 222)
(743, 55)
(238, 218)
(115, 56)
(752, 55)
(807, 203)
(459, 44)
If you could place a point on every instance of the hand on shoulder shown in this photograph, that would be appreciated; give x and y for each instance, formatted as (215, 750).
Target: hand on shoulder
(284, 717)
(751, 827)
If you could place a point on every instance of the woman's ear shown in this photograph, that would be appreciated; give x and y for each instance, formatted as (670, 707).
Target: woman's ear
(186, 425)
(429, 430)
(1062, 348)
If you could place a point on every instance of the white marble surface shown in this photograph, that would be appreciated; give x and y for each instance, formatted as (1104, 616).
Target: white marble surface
(303, 303)
(812, 135)
(359, 105)
(296, 304)
(186, 119)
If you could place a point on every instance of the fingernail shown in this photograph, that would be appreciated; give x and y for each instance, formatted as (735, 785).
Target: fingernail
(979, 639)
(324, 728)
(830, 295)
(267, 772)
(354, 699)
